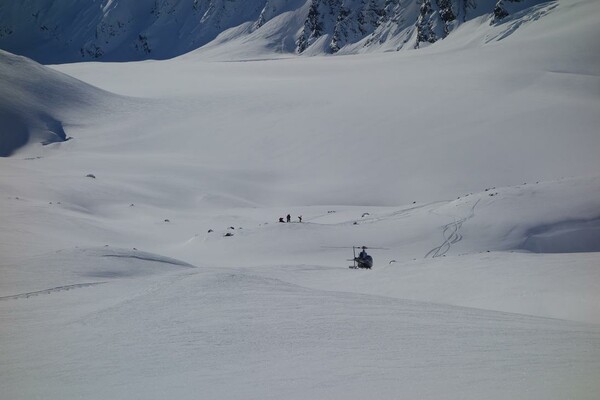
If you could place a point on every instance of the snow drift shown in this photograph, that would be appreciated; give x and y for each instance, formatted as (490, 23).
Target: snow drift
(565, 237)
(70, 269)
(36, 103)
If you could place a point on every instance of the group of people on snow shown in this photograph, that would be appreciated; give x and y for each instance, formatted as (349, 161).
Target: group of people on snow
(288, 218)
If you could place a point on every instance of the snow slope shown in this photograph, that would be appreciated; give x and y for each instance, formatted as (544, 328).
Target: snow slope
(471, 163)
(500, 113)
(37, 103)
(231, 334)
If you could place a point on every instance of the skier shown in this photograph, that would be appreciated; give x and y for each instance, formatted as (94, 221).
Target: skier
(289, 218)
(299, 218)
(281, 219)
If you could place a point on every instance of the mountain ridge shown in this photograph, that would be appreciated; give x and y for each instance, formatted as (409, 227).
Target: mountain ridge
(123, 30)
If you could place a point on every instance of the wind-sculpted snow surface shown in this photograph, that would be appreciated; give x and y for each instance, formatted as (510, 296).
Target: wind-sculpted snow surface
(59, 31)
(235, 334)
(68, 269)
(36, 103)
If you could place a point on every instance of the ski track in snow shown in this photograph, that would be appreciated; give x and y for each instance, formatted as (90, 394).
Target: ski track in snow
(51, 290)
(451, 234)
(399, 214)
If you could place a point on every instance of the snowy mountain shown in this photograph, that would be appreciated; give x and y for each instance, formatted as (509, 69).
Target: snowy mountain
(57, 31)
(142, 258)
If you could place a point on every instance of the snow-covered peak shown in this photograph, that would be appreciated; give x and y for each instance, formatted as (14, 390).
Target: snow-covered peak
(53, 31)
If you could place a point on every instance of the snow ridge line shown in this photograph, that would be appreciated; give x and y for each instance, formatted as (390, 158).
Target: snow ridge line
(451, 235)
(154, 259)
(52, 290)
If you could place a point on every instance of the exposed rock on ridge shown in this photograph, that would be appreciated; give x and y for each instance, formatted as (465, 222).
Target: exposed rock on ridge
(57, 31)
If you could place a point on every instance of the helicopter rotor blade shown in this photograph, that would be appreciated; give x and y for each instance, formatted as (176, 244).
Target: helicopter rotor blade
(354, 247)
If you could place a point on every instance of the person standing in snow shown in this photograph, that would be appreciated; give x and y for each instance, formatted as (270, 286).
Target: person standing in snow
(363, 254)
(299, 218)
(289, 218)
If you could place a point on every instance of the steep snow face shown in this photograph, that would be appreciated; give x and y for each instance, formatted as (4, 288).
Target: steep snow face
(58, 31)
(119, 30)
(36, 103)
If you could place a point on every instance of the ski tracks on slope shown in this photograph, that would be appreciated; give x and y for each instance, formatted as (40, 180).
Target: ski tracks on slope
(451, 234)
(51, 290)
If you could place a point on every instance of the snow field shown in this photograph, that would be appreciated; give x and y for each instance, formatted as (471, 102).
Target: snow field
(233, 334)
(473, 163)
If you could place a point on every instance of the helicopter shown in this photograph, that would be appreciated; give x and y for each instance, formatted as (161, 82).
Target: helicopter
(363, 261)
